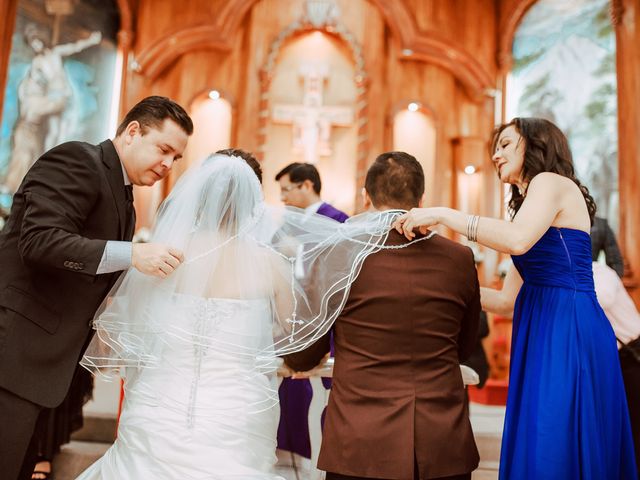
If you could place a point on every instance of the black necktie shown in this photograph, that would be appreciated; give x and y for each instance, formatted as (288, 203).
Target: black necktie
(128, 191)
(130, 212)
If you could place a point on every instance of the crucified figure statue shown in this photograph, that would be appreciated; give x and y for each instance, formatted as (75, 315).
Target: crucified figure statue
(43, 96)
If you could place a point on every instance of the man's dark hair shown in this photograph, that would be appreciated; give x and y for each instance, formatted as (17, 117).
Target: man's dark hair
(299, 172)
(247, 157)
(152, 111)
(395, 180)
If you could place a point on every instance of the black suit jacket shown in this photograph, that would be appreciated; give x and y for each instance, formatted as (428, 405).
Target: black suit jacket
(69, 204)
(603, 238)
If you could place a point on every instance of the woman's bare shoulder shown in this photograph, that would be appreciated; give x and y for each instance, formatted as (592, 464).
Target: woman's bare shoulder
(550, 180)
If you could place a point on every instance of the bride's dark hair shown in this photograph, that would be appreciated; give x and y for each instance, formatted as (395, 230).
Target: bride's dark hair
(546, 149)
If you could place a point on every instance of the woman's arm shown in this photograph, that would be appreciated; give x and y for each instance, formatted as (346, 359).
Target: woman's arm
(283, 297)
(501, 302)
(536, 215)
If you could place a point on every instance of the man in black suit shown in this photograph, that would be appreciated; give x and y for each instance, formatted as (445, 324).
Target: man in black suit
(603, 238)
(66, 240)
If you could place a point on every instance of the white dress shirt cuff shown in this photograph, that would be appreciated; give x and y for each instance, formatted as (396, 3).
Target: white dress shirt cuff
(116, 257)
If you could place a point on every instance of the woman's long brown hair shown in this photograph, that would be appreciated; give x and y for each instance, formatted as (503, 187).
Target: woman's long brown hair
(546, 149)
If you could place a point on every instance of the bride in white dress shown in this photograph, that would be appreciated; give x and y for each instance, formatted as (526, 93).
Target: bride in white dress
(198, 350)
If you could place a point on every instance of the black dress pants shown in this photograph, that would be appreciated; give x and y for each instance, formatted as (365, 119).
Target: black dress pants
(416, 476)
(17, 423)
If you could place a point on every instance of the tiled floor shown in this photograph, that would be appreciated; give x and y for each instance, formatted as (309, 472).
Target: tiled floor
(487, 423)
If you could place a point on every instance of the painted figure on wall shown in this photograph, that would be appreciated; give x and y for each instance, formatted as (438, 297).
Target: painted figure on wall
(61, 85)
(43, 95)
(559, 45)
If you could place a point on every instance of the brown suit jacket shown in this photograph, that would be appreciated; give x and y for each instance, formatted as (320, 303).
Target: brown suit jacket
(411, 317)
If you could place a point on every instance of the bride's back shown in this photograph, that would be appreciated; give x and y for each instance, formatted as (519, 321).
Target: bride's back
(238, 269)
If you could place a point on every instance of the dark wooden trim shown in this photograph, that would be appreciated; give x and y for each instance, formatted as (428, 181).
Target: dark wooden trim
(9, 9)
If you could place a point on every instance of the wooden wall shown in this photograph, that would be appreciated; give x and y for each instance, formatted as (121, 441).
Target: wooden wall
(451, 67)
(626, 15)
(449, 55)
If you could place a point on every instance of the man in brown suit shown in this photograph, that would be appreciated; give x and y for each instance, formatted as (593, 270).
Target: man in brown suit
(397, 407)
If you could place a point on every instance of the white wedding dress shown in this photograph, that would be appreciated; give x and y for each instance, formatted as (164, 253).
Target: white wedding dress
(199, 349)
(203, 413)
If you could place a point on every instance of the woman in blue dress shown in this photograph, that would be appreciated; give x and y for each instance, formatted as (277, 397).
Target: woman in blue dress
(566, 416)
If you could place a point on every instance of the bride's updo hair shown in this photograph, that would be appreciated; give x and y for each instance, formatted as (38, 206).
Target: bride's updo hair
(247, 157)
(546, 149)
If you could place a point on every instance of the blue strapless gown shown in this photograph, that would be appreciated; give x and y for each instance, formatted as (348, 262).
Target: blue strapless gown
(567, 415)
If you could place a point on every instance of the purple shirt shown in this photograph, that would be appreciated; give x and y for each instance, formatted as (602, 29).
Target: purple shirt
(332, 212)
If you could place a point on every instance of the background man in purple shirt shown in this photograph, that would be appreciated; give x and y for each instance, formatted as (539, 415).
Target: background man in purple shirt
(300, 187)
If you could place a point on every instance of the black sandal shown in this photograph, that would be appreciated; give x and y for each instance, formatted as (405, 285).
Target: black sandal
(41, 475)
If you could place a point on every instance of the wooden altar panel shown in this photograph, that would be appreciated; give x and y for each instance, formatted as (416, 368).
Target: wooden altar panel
(338, 91)
(454, 114)
(627, 18)
(466, 26)
(481, 30)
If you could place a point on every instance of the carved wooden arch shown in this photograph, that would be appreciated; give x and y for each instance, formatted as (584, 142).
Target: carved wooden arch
(340, 32)
(416, 45)
(508, 24)
(430, 47)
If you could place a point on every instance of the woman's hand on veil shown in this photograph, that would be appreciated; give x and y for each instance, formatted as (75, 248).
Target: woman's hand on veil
(417, 218)
(155, 259)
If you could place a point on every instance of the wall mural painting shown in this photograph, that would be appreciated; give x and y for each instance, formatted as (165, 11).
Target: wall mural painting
(60, 81)
(565, 70)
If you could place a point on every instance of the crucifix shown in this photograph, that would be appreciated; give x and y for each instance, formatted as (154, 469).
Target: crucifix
(312, 121)
(59, 9)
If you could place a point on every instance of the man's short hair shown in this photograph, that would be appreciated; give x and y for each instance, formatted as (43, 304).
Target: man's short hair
(247, 157)
(395, 180)
(150, 112)
(299, 172)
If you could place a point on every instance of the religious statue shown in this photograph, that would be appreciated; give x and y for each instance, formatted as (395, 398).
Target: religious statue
(43, 96)
(312, 121)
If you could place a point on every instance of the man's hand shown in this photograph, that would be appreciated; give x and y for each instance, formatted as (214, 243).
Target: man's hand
(155, 259)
